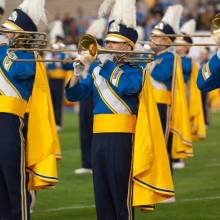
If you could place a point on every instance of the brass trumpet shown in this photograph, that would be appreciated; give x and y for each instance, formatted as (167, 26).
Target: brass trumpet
(86, 43)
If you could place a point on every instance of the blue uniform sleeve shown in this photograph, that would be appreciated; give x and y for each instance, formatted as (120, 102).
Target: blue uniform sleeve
(81, 90)
(209, 75)
(68, 66)
(163, 69)
(20, 70)
(187, 68)
(127, 80)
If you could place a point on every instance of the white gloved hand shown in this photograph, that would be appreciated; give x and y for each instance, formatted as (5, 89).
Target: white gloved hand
(105, 57)
(85, 58)
(78, 69)
(81, 70)
(216, 37)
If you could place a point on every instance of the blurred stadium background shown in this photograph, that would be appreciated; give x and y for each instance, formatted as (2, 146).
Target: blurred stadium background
(197, 186)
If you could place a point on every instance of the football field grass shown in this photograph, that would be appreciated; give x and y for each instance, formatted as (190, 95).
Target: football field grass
(197, 186)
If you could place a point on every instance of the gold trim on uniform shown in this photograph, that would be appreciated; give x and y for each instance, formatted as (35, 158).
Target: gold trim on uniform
(122, 38)
(13, 105)
(57, 74)
(117, 123)
(23, 174)
(162, 96)
(12, 25)
(206, 73)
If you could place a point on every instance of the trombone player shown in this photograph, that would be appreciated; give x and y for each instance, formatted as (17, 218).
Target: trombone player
(15, 89)
(163, 68)
(115, 86)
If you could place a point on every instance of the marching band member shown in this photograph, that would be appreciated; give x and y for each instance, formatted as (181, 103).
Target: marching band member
(16, 86)
(23, 83)
(115, 89)
(208, 78)
(115, 86)
(190, 72)
(56, 72)
(164, 71)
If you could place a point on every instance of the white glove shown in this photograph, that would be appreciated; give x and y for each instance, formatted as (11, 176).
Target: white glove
(85, 58)
(105, 57)
(78, 69)
(81, 70)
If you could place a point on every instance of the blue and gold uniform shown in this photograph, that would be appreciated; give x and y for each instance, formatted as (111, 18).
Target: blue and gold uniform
(16, 84)
(209, 77)
(15, 89)
(115, 92)
(161, 71)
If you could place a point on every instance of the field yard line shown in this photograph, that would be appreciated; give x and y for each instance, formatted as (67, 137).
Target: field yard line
(93, 206)
(68, 207)
(213, 165)
(199, 199)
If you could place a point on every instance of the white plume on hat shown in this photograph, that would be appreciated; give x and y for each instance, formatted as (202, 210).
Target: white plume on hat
(172, 17)
(56, 29)
(189, 27)
(2, 4)
(105, 8)
(97, 28)
(35, 9)
(124, 12)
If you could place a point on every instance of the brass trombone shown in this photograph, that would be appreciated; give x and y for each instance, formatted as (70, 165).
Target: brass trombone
(86, 43)
(26, 39)
(215, 33)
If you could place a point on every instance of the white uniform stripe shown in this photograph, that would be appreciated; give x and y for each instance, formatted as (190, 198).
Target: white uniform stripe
(6, 88)
(107, 94)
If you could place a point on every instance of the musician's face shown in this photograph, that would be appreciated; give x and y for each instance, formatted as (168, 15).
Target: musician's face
(117, 46)
(157, 43)
(9, 35)
(182, 50)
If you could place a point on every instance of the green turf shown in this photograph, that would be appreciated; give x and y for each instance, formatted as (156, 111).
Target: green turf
(197, 186)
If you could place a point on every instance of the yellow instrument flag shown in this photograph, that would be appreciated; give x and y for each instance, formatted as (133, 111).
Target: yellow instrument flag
(214, 99)
(152, 180)
(195, 107)
(42, 139)
(180, 120)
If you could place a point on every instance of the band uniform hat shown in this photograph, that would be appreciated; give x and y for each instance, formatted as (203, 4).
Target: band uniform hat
(170, 22)
(27, 16)
(121, 33)
(187, 28)
(19, 20)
